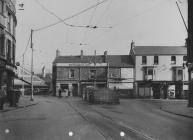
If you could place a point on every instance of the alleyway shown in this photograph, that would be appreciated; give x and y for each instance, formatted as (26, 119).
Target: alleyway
(72, 119)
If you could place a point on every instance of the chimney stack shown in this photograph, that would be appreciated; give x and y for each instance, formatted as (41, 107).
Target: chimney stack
(105, 56)
(57, 53)
(81, 54)
(132, 44)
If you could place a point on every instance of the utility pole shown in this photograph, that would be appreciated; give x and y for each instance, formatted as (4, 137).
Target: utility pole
(189, 42)
(23, 76)
(32, 73)
(107, 74)
(95, 76)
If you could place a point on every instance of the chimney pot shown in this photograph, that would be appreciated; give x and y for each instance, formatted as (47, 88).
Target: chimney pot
(81, 54)
(57, 53)
(105, 55)
(132, 44)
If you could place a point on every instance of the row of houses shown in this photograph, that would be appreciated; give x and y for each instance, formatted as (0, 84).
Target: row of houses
(147, 71)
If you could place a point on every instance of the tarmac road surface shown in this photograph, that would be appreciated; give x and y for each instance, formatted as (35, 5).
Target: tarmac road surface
(72, 119)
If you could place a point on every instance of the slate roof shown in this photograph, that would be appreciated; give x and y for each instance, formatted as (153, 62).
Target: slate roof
(114, 60)
(160, 50)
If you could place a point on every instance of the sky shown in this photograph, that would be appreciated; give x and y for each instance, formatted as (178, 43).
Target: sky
(146, 22)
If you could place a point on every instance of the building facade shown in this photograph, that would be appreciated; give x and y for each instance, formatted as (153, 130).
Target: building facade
(74, 73)
(8, 24)
(158, 69)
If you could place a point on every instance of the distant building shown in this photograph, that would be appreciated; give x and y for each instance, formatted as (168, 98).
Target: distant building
(76, 72)
(24, 79)
(8, 24)
(159, 67)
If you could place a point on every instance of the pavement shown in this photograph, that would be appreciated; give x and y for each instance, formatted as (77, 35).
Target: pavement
(24, 101)
(177, 107)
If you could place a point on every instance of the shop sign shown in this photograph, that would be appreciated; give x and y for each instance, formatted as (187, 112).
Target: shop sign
(81, 64)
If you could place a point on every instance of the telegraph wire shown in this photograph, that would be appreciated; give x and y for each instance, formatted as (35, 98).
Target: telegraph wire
(104, 12)
(26, 48)
(60, 19)
(74, 15)
(89, 22)
(126, 20)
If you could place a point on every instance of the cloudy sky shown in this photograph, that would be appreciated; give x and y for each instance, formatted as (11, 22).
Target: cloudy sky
(147, 22)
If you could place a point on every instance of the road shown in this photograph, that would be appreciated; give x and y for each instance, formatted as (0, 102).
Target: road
(72, 119)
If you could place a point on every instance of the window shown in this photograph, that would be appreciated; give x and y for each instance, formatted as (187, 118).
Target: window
(92, 74)
(156, 60)
(13, 53)
(9, 22)
(148, 73)
(184, 58)
(2, 43)
(14, 24)
(8, 50)
(71, 73)
(1, 7)
(180, 75)
(173, 59)
(144, 59)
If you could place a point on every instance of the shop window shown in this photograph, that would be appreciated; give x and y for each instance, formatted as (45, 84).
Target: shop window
(173, 59)
(92, 74)
(71, 73)
(144, 60)
(156, 60)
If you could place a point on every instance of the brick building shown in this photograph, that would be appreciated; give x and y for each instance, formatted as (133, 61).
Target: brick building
(76, 72)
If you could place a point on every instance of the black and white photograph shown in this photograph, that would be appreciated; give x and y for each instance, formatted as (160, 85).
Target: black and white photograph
(96, 69)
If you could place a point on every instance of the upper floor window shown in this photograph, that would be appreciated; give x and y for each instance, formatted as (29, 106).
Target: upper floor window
(173, 59)
(144, 60)
(9, 22)
(92, 74)
(185, 58)
(180, 75)
(9, 50)
(14, 24)
(2, 47)
(1, 7)
(13, 53)
(148, 73)
(156, 60)
(71, 73)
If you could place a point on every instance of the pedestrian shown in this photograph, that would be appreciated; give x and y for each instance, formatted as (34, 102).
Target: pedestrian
(2, 97)
(60, 92)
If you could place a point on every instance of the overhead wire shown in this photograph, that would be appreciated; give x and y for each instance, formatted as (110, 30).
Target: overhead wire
(89, 22)
(104, 12)
(26, 48)
(74, 15)
(60, 19)
(126, 20)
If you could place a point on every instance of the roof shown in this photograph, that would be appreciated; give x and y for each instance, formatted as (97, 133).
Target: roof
(160, 50)
(114, 60)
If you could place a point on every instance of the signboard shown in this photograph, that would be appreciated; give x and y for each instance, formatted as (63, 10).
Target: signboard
(81, 64)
